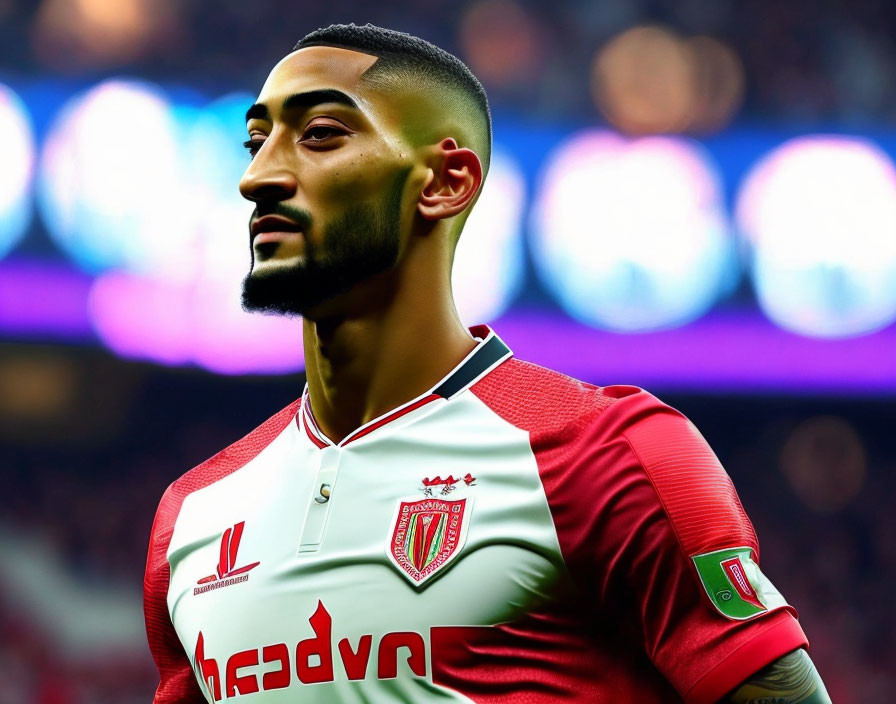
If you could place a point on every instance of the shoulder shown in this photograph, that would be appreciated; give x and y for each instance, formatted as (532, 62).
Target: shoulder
(621, 451)
(235, 455)
(220, 465)
(547, 403)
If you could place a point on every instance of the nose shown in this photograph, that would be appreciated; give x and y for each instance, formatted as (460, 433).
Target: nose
(269, 176)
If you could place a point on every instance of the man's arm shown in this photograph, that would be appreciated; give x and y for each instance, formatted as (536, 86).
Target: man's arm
(791, 679)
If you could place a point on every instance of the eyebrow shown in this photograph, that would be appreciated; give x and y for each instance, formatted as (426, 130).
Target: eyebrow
(305, 100)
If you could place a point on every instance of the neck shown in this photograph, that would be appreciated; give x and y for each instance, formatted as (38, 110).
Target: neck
(363, 365)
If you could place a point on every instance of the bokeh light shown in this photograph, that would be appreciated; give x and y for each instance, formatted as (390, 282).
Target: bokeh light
(649, 80)
(488, 265)
(35, 388)
(73, 35)
(16, 169)
(501, 42)
(631, 235)
(720, 84)
(825, 463)
(184, 306)
(110, 188)
(642, 81)
(819, 214)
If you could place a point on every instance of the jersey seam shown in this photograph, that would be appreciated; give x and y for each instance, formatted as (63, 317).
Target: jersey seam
(656, 490)
(659, 497)
(662, 501)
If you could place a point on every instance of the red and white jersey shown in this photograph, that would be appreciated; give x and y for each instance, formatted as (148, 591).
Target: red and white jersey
(513, 535)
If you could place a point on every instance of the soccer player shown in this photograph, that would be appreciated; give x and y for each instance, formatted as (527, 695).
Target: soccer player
(434, 520)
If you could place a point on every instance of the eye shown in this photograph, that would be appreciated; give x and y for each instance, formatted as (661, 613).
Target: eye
(317, 134)
(253, 145)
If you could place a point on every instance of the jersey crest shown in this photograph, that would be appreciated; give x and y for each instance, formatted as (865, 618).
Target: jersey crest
(426, 535)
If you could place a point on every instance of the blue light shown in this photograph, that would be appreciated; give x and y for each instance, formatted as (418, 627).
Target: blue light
(631, 234)
(488, 266)
(819, 214)
(110, 189)
(16, 169)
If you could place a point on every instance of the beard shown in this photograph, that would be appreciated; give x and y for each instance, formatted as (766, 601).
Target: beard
(364, 241)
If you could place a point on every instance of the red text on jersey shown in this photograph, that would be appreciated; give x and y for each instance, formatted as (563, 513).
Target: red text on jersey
(311, 660)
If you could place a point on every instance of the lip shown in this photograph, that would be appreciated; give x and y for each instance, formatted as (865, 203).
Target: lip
(274, 225)
(274, 236)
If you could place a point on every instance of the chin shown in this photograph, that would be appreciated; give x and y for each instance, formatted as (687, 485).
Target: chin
(272, 288)
(275, 263)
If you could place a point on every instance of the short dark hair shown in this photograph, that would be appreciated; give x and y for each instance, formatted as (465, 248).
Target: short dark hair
(402, 53)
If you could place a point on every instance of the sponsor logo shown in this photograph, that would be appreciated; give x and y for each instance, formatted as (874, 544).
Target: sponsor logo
(734, 570)
(227, 573)
(426, 535)
(313, 660)
(735, 585)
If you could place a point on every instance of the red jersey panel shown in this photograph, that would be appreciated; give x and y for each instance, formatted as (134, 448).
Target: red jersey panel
(635, 492)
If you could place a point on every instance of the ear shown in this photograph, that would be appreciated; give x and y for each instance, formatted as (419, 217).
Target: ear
(453, 181)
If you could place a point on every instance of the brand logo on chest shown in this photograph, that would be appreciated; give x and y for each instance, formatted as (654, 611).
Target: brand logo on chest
(427, 534)
(227, 573)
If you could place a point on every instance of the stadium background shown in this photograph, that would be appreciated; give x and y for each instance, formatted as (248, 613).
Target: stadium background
(695, 196)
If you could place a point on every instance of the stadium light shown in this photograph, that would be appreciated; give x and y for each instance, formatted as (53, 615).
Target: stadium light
(16, 169)
(187, 311)
(488, 267)
(109, 187)
(819, 215)
(631, 234)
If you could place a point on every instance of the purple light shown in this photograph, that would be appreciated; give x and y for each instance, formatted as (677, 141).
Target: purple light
(720, 353)
(139, 318)
(43, 300)
(196, 322)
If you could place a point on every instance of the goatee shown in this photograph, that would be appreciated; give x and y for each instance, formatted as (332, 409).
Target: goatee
(363, 242)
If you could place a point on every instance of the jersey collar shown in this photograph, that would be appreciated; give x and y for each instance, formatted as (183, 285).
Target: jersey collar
(486, 356)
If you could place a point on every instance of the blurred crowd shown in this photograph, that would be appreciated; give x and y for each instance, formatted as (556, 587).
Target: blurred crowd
(814, 62)
(77, 524)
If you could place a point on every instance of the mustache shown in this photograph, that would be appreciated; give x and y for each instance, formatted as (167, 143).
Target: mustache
(299, 216)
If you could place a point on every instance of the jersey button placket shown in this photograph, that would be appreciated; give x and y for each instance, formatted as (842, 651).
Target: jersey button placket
(322, 491)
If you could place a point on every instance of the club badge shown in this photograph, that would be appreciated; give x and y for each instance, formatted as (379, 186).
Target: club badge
(427, 534)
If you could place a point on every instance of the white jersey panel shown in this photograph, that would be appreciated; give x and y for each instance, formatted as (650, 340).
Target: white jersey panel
(302, 532)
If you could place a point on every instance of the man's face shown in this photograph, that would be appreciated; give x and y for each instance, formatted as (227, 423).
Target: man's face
(328, 179)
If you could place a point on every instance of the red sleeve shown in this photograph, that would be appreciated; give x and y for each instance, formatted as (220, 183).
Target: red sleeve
(666, 498)
(635, 492)
(177, 684)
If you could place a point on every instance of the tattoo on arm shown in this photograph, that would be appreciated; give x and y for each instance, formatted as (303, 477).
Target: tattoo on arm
(791, 679)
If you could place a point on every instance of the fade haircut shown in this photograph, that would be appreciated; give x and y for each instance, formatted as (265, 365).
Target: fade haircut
(409, 59)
